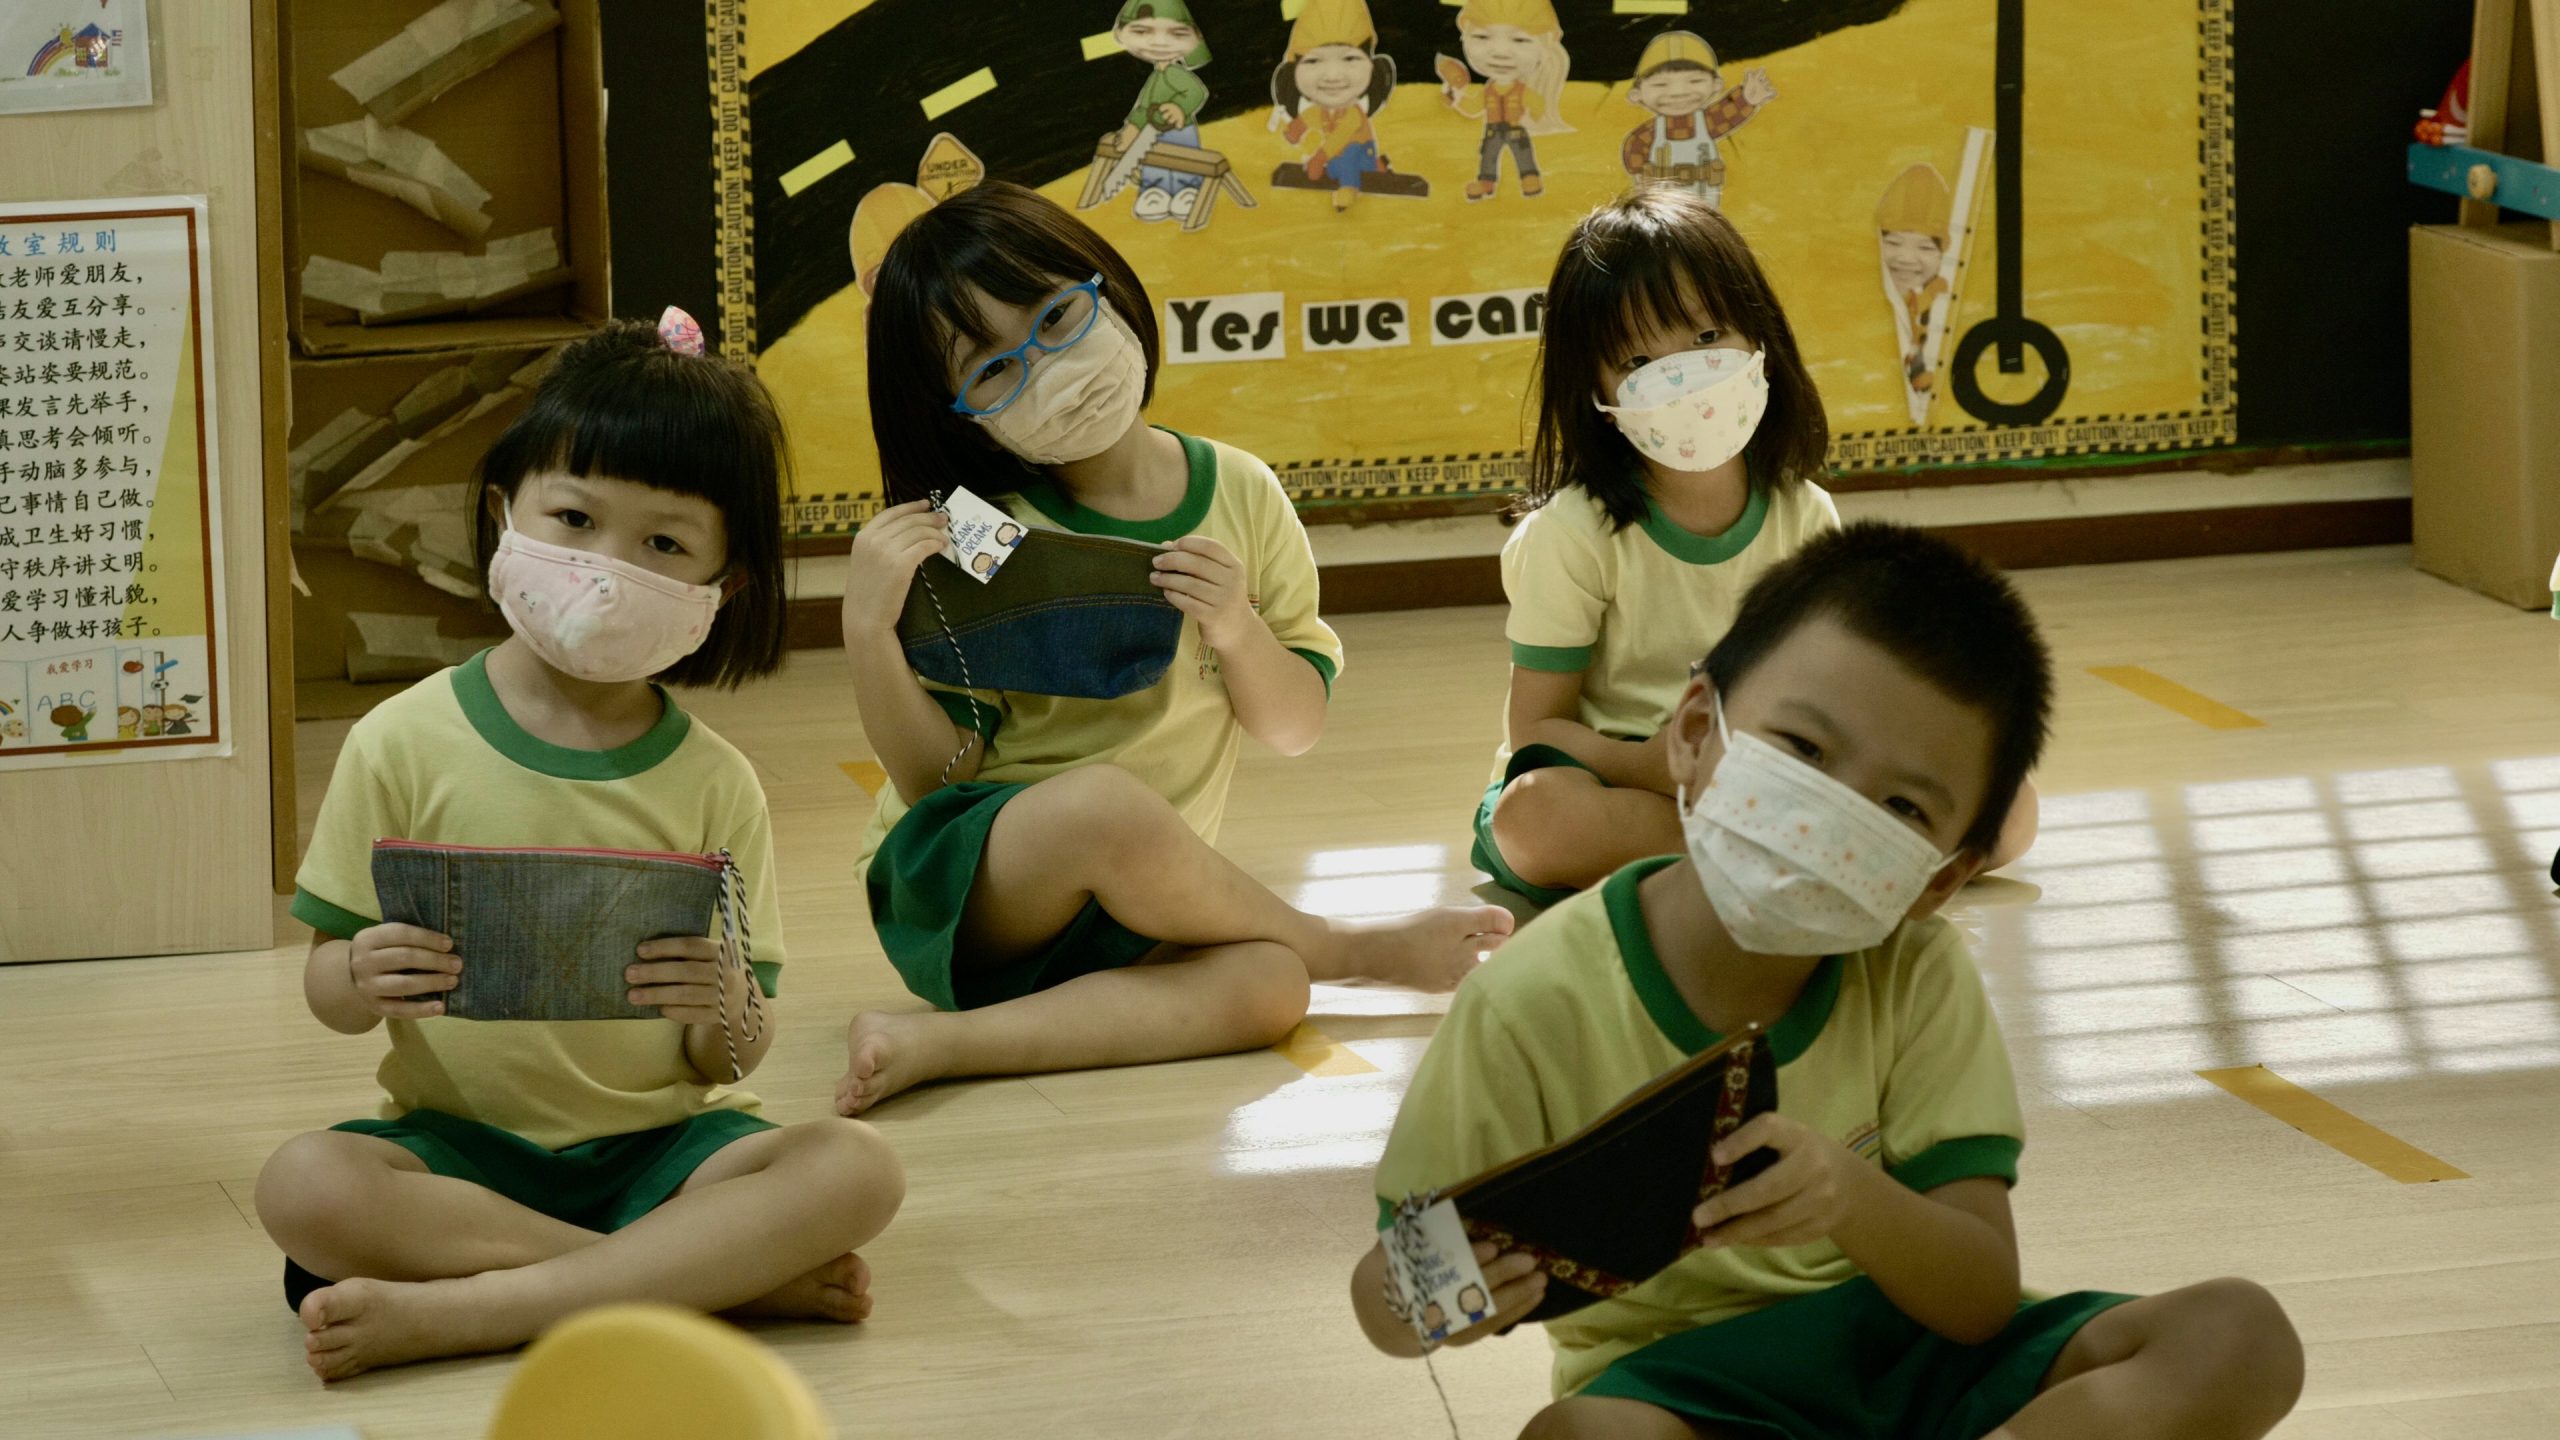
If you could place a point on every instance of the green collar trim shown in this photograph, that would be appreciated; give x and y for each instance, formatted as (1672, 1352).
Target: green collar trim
(1699, 549)
(1795, 1031)
(1049, 500)
(488, 715)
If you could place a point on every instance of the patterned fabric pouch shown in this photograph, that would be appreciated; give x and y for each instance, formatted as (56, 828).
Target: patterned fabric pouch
(1072, 615)
(546, 934)
(1607, 1208)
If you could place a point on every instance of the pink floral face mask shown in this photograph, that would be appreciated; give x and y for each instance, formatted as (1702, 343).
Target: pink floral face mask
(595, 618)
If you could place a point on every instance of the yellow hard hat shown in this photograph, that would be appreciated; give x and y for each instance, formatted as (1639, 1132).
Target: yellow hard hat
(1538, 17)
(1672, 45)
(1332, 22)
(882, 215)
(1916, 200)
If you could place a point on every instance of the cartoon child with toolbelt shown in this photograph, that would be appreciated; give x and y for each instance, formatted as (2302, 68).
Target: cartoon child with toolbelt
(1518, 47)
(1327, 88)
(1912, 222)
(1163, 34)
(1678, 80)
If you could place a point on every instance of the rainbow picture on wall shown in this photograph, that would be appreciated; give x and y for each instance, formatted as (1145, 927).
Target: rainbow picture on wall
(88, 48)
(74, 54)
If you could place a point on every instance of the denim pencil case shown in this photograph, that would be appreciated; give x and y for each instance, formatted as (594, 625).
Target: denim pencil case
(547, 934)
(1608, 1208)
(1070, 615)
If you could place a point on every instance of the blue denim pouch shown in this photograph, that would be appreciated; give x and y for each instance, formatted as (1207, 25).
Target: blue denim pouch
(548, 934)
(1071, 615)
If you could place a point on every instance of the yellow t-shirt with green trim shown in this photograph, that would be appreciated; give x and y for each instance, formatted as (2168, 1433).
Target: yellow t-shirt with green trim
(1179, 735)
(1892, 1051)
(443, 763)
(1633, 609)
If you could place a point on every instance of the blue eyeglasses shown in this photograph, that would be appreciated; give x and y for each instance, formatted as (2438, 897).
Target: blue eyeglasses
(1064, 319)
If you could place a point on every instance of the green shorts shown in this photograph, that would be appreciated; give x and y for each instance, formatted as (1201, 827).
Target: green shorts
(1487, 855)
(600, 1185)
(919, 886)
(1845, 1364)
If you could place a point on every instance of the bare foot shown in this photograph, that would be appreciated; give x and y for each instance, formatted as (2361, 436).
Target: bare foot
(839, 1290)
(884, 1054)
(1429, 950)
(359, 1325)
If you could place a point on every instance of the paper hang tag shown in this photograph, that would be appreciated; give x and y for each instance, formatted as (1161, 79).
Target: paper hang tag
(1433, 1281)
(982, 536)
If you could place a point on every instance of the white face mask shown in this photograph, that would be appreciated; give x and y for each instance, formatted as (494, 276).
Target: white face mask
(1079, 400)
(1796, 863)
(1694, 410)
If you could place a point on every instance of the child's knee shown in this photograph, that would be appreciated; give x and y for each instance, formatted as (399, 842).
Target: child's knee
(1585, 1417)
(860, 1169)
(1532, 813)
(2241, 1322)
(1271, 1005)
(310, 1189)
(1098, 812)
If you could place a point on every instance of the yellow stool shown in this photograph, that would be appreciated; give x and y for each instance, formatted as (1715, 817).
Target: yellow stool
(654, 1372)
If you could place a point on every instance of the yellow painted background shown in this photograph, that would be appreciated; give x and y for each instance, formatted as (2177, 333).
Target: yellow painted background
(174, 555)
(2113, 190)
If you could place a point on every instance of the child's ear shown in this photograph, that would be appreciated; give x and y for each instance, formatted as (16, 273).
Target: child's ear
(1943, 886)
(730, 586)
(1693, 728)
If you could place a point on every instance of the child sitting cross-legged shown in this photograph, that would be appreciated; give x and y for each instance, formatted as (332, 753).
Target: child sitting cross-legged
(521, 1170)
(1844, 758)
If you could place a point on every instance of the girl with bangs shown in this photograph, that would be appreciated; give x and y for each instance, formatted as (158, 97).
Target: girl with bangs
(1679, 440)
(1042, 869)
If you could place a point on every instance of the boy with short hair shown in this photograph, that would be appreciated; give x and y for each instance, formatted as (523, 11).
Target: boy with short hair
(1846, 756)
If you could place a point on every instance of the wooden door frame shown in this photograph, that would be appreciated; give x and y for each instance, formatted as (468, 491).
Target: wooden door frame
(269, 77)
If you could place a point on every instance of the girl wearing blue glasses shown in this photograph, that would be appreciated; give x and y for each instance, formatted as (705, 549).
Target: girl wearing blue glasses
(1054, 891)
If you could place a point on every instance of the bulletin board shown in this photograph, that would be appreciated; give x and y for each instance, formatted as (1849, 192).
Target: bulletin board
(111, 626)
(1997, 240)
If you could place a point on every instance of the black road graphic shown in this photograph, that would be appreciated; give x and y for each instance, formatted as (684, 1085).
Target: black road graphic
(2010, 329)
(862, 82)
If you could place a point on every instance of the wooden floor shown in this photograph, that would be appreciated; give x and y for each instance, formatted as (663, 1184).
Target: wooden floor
(2351, 894)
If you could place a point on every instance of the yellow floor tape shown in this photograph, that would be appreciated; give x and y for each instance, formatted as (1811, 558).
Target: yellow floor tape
(2170, 695)
(1311, 1050)
(2332, 1126)
(866, 774)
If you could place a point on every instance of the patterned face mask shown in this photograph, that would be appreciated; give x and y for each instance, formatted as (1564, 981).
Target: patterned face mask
(1694, 410)
(595, 618)
(1796, 863)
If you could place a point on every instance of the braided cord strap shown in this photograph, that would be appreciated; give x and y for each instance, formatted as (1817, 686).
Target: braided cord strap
(967, 681)
(737, 950)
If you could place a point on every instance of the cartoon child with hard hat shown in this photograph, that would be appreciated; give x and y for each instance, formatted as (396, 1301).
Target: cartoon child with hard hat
(1677, 78)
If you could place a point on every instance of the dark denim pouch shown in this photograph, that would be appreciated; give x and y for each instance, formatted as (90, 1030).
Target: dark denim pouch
(1070, 615)
(546, 934)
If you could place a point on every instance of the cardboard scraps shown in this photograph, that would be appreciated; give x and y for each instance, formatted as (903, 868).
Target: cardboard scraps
(329, 472)
(404, 165)
(425, 528)
(416, 283)
(323, 465)
(441, 49)
(338, 283)
(402, 647)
